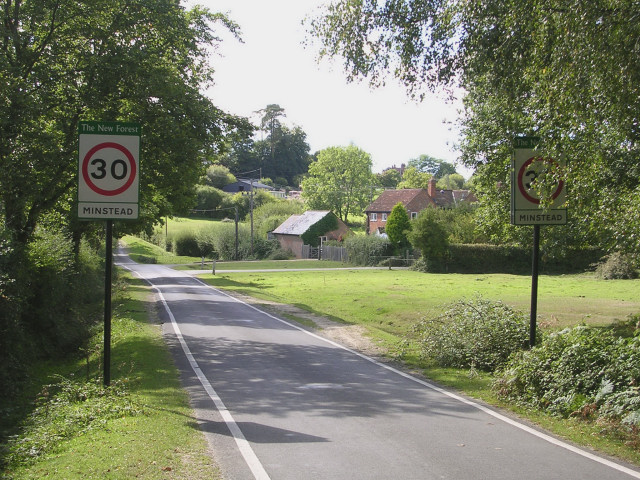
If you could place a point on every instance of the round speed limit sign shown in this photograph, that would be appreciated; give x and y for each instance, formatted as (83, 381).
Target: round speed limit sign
(109, 169)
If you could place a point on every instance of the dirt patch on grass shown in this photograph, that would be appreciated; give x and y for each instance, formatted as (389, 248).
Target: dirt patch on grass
(350, 336)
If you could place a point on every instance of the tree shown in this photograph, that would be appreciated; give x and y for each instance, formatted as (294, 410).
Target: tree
(565, 71)
(412, 178)
(430, 237)
(435, 166)
(63, 61)
(453, 181)
(390, 178)
(218, 176)
(339, 180)
(398, 227)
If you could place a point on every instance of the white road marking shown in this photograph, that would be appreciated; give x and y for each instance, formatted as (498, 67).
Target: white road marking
(247, 452)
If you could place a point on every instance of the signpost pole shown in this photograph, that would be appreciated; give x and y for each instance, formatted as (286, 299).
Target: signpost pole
(107, 302)
(534, 286)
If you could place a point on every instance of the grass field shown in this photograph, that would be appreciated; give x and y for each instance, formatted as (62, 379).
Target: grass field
(392, 300)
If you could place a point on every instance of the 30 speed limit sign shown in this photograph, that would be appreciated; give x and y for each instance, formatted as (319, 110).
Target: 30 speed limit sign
(108, 170)
(527, 170)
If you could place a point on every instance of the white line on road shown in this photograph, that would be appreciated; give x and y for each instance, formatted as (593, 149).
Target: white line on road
(247, 452)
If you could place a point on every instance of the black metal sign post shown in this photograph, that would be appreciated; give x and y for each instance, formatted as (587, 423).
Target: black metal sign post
(534, 286)
(108, 265)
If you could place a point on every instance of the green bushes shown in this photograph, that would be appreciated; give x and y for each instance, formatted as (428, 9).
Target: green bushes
(473, 334)
(49, 302)
(367, 250)
(617, 266)
(580, 371)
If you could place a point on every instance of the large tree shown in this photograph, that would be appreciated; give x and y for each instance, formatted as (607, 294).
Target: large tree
(143, 61)
(339, 180)
(567, 71)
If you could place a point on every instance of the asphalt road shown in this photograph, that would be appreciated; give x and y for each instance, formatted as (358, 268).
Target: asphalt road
(278, 402)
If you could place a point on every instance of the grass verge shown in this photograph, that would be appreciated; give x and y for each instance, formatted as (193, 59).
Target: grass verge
(140, 427)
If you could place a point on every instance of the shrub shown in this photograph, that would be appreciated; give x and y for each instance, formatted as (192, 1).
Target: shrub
(478, 334)
(367, 249)
(574, 371)
(617, 266)
(186, 244)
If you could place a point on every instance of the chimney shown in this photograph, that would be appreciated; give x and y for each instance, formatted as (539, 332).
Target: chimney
(432, 187)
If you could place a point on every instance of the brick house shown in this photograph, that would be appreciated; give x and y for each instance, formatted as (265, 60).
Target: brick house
(414, 200)
(289, 233)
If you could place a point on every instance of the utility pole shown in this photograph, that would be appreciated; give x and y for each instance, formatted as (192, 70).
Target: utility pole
(251, 212)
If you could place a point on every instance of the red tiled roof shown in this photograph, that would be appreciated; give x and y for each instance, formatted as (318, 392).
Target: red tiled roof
(417, 199)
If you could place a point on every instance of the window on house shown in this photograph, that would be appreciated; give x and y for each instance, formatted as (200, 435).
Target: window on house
(414, 215)
(384, 217)
(374, 217)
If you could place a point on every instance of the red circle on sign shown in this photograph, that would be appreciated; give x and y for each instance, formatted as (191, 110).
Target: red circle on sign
(523, 190)
(93, 186)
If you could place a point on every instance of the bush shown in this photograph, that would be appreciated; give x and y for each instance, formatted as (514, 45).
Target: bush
(617, 266)
(478, 334)
(368, 250)
(577, 371)
(186, 245)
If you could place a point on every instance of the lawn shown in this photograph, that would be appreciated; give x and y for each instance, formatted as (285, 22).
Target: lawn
(393, 300)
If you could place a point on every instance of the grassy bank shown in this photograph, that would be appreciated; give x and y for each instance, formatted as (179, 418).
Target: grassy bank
(393, 300)
(142, 427)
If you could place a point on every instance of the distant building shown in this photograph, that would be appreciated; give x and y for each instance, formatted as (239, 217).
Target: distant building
(289, 233)
(414, 201)
(244, 185)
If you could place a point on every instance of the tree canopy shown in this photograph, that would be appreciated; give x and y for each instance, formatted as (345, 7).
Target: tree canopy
(567, 71)
(283, 154)
(339, 180)
(62, 61)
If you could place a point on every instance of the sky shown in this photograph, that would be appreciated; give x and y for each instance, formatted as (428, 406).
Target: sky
(273, 66)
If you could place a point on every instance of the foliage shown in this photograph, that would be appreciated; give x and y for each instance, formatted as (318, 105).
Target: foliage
(430, 237)
(475, 333)
(65, 409)
(566, 72)
(209, 199)
(218, 176)
(413, 178)
(66, 61)
(269, 216)
(283, 155)
(312, 236)
(618, 266)
(452, 181)
(390, 178)
(578, 371)
(398, 226)
(367, 250)
(436, 167)
(339, 180)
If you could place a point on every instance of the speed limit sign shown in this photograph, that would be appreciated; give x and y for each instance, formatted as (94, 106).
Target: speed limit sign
(529, 167)
(108, 170)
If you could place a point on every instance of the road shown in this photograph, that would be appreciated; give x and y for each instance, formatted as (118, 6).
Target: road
(278, 402)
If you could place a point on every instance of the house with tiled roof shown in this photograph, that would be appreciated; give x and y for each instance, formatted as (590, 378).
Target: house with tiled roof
(414, 200)
(291, 233)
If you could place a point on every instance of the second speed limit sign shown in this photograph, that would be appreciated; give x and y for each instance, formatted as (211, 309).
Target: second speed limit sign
(108, 170)
(530, 174)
